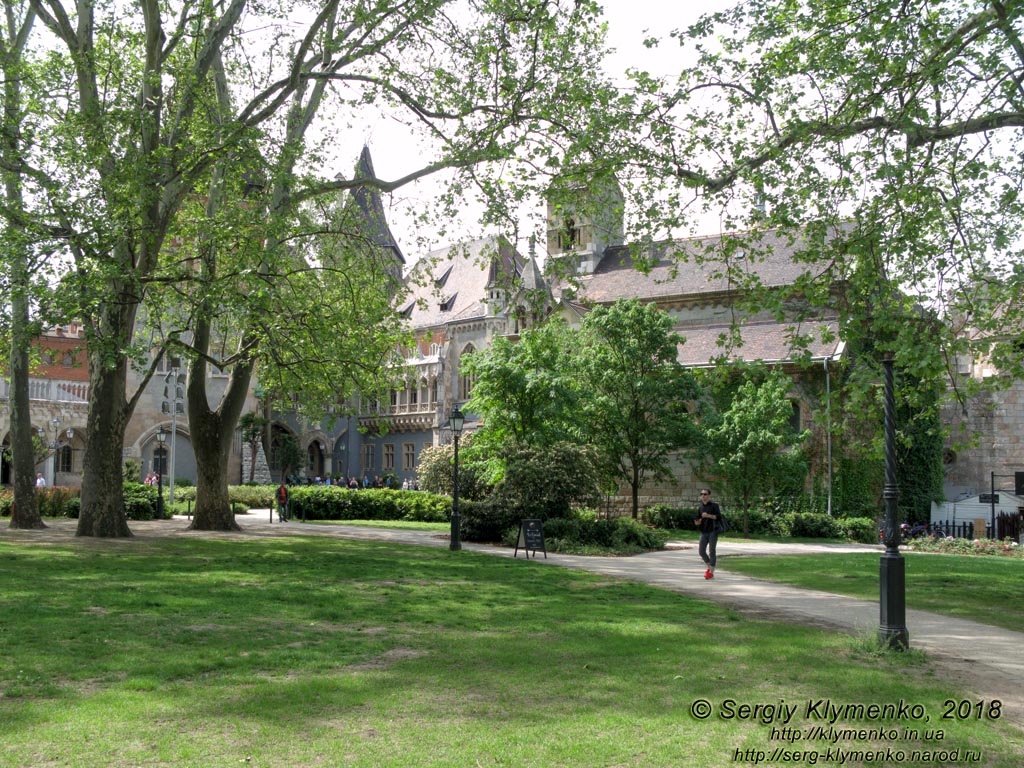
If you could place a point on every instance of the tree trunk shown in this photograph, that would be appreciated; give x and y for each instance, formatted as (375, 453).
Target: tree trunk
(212, 433)
(25, 513)
(213, 507)
(635, 487)
(102, 513)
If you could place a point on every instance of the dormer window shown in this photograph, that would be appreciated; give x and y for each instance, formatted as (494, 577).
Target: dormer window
(406, 312)
(448, 303)
(440, 281)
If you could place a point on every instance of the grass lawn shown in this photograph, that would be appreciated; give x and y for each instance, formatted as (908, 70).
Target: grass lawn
(301, 651)
(985, 589)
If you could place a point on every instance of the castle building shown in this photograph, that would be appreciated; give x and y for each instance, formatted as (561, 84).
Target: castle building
(458, 299)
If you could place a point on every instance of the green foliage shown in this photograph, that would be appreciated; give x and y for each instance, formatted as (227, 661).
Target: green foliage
(525, 391)
(664, 516)
(921, 441)
(140, 501)
(486, 522)
(751, 446)
(436, 464)
(857, 485)
(330, 502)
(53, 502)
(814, 526)
(586, 533)
(863, 530)
(253, 497)
(634, 413)
(547, 482)
(131, 470)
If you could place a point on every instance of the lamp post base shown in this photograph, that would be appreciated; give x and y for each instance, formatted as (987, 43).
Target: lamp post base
(892, 629)
(456, 535)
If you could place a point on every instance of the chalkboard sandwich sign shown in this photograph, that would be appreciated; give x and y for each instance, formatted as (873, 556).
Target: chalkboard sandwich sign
(531, 538)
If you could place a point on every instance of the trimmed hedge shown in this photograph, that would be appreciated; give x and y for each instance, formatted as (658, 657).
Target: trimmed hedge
(812, 525)
(331, 502)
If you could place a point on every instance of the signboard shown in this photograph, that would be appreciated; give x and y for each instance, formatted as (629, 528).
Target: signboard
(988, 498)
(531, 538)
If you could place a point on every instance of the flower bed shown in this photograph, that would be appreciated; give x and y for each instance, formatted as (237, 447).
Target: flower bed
(949, 545)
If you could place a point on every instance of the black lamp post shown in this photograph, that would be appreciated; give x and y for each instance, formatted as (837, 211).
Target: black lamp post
(455, 423)
(892, 629)
(161, 438)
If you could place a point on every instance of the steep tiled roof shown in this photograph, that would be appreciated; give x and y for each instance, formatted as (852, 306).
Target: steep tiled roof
(767, 341)
(371, 208)
(769, 257)
(450, 284)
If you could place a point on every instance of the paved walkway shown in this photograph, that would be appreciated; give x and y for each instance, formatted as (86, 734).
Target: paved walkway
(986, 660)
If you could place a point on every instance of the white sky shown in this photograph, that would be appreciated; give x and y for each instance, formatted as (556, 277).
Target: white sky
(629, 23)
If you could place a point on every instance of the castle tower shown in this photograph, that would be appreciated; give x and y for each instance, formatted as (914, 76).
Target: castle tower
(584, 220)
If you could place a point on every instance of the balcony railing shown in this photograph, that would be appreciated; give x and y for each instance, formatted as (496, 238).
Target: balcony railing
(51, 390)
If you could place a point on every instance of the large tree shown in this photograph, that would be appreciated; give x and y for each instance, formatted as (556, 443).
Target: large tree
(890, 132)
(636, 400)
(152, 109)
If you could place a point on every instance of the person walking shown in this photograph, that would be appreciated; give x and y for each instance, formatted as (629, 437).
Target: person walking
(282, 503)
(708, 515)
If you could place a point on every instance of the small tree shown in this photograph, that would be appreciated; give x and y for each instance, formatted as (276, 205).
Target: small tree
(252, 426)
(635, 392)
(525, 392)
(287, 454)
(751, 446)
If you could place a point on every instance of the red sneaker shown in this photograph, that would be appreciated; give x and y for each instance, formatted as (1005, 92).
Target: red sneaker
(708, 574)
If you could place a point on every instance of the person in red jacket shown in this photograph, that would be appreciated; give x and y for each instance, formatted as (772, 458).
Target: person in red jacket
(282, 503)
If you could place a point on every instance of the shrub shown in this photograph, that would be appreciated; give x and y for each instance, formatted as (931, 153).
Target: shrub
(331, 502)
(485, 522)
(54, 502)
(6, 501)
(629, 533)
(815, 526)
(252, 496)
(139, 501)
(664, 516)
(860, 529)
(583, 531)
(548, 482)
(435, 470)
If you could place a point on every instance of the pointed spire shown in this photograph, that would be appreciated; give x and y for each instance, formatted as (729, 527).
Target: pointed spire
(371, 207)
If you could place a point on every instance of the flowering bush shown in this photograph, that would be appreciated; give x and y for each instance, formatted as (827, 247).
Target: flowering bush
(1006, 548)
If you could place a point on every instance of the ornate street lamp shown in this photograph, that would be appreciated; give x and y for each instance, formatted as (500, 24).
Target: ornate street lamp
(455, 423)
(892, 629)
(161, 438)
